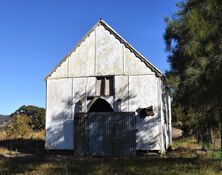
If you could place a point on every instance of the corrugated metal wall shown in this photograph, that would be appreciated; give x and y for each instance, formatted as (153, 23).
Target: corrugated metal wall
(105, 134)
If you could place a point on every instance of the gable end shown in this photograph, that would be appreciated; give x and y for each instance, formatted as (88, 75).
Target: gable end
(118, 37)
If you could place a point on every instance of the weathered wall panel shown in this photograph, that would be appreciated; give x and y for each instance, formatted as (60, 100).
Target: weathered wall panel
(62, 70)
(144, 92)
(133, 65)
(109, 53)
(82, 61)
(122, 93)
(79, 94)
(68, 131)
(91, 83)
(161, 126)
(59, 95)
(148, 134)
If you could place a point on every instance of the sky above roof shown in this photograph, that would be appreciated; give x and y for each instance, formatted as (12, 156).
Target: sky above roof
(36, 35)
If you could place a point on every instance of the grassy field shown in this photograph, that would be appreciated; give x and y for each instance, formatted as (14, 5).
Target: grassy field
(67, 165)
(27, 156)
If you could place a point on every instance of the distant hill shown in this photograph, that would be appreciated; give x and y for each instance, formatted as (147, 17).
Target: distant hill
(4, 120)
(4, 116)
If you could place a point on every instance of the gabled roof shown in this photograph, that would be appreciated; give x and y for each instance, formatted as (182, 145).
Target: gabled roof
(117, 36)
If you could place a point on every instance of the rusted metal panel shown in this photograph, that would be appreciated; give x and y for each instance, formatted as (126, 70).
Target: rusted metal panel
(105, 134)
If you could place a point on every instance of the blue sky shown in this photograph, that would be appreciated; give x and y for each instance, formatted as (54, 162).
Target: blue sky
(36, 34)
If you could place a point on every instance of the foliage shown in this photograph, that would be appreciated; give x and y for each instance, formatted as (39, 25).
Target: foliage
(18, 126)
(36, 115)
(194, 41)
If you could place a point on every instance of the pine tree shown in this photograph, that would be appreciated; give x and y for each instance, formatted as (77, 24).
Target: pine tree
(194, 41)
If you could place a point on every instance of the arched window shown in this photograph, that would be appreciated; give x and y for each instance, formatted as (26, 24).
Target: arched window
(99, 105)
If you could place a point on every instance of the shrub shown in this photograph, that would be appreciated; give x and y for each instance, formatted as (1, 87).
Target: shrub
(19, 126)
(36, 115)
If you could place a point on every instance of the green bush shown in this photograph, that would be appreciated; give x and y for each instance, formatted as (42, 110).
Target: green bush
(35, 114)
(19, 126)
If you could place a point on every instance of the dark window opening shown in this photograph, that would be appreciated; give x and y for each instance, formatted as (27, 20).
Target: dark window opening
(104, 86)
(147, 111)
(100, 105)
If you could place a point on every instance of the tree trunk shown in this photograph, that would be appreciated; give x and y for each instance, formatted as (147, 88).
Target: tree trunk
(220, 143)
(213, 140)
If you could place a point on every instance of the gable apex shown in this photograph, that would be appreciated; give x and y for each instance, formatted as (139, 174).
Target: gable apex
(118, 37)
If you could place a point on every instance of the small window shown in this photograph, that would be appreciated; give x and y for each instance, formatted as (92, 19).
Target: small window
(104, 86)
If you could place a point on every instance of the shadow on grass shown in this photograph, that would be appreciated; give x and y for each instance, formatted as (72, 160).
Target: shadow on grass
(28, 146)
(52, 165)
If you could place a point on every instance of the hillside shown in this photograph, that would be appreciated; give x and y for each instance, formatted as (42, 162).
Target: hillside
(4, 120)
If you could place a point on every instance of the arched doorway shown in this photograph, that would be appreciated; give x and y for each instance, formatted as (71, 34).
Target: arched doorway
(99, 105)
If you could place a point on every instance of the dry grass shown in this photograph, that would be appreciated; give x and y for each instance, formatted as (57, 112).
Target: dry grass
(6, 151)
(31, 135)
(27, 156)
(54, 165)
(188, 147)
(186, 143)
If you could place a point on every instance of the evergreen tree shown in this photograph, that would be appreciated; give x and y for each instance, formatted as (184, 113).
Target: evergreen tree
(194, 41)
